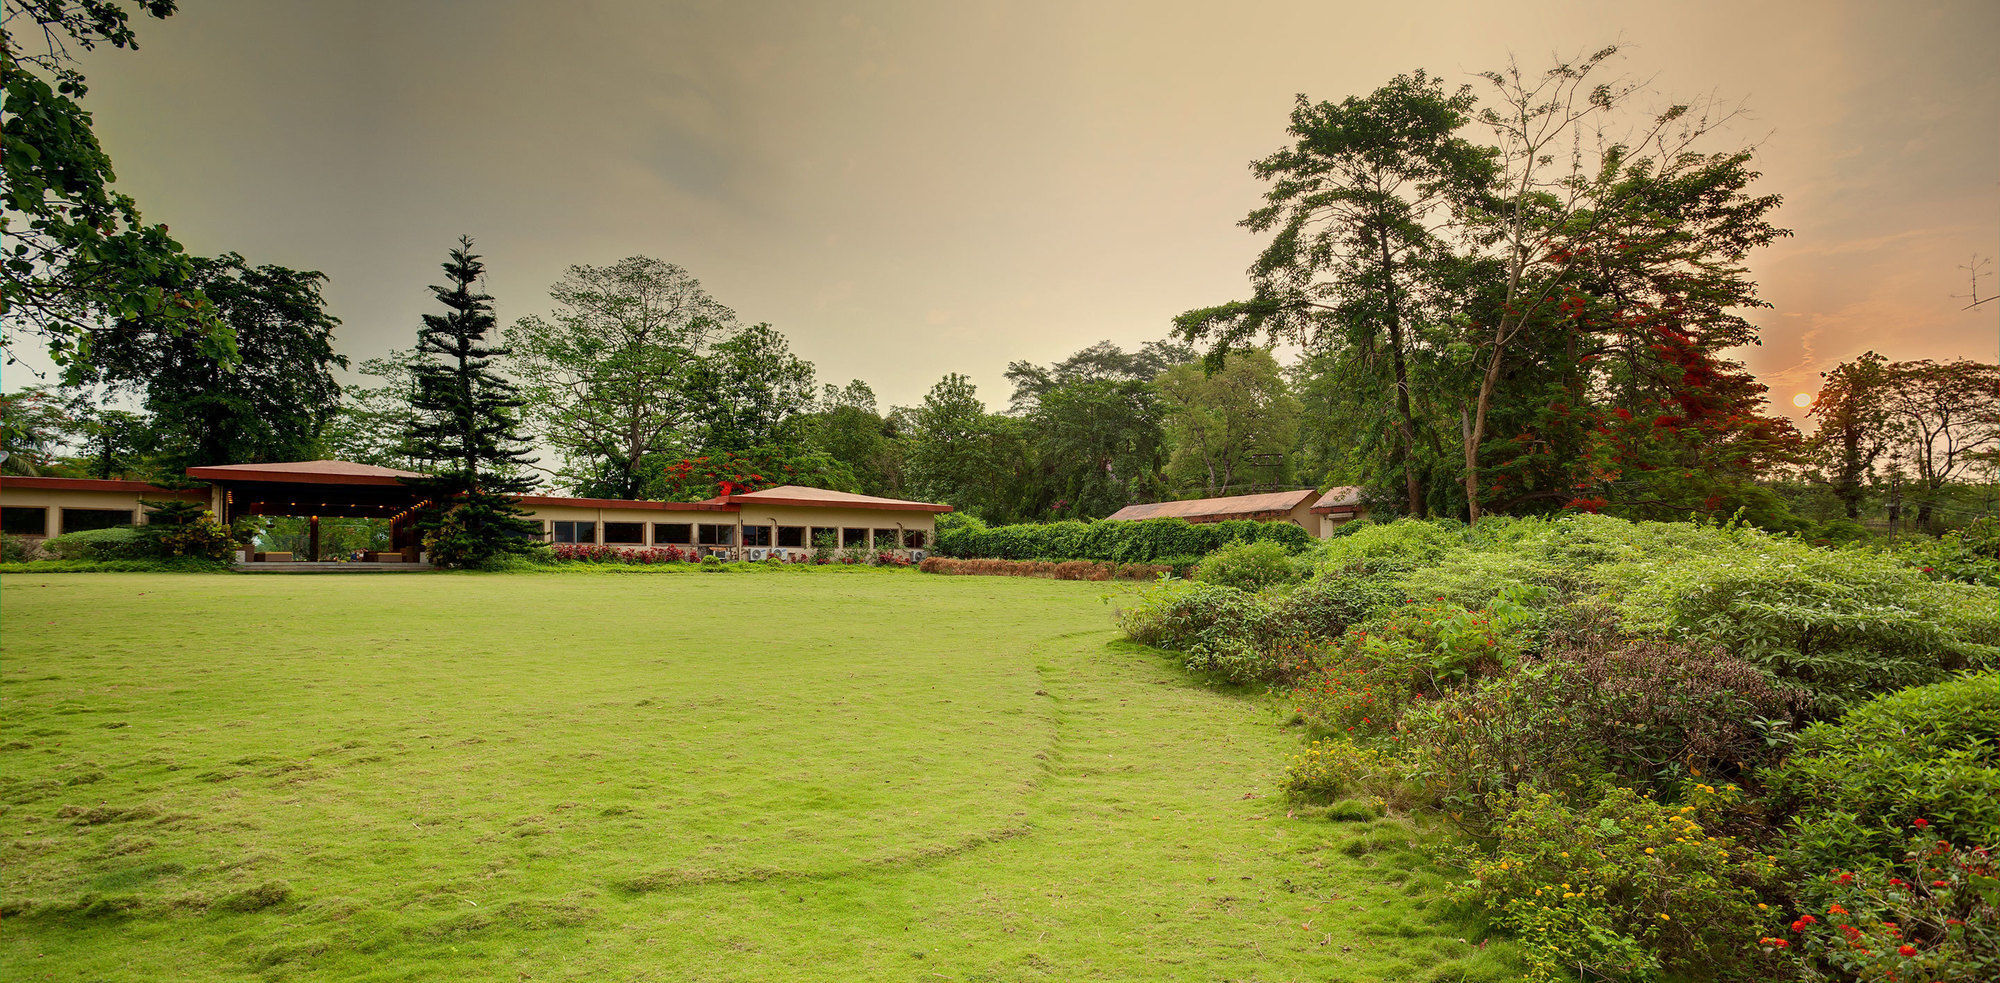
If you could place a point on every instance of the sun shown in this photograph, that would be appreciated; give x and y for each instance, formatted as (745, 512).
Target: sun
(1802, 400)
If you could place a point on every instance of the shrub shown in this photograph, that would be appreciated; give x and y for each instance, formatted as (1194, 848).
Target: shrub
(1332, 769)
(1248, 565)
(1327, 605)
(1218, 628)
(1936, 916)
(202, 538)
(1148, 541)
(116, 543)
(1930, 753)
(1970, 555)
(14, 549)
(1626, 888)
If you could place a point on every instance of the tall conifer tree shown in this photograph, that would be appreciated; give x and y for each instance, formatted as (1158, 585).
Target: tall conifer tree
(465, 424)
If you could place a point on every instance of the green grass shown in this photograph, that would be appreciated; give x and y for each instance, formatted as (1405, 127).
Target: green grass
(760, 775)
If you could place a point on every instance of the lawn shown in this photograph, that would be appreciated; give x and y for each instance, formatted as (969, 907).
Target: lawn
(762, 775)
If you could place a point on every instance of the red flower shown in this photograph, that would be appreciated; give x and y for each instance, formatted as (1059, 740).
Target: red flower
(1920, 823)
(1836, 910)
(1907, 950)
(1937, 883)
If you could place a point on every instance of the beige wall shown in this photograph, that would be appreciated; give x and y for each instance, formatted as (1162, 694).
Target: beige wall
(55, 500)
(765, 515)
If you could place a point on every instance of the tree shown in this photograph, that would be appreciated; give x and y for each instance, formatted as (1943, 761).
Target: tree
(963, 455)
(846, 428)
(753, 386)
(373, 423)
(1645, 210)
(1946, 417)
(1854, 425)
(1357, 209)
(271, 402)
(1095, 420)
(78, 255)
(465, 425)
(612, 376)
(35, 424)
(1218, 420)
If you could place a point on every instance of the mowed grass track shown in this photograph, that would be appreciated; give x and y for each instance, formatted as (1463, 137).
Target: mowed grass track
(783, 775)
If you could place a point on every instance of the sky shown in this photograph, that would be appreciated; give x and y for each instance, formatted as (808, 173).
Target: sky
(911, 189)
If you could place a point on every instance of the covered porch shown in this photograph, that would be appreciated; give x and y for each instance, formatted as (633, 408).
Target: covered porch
(313, 490)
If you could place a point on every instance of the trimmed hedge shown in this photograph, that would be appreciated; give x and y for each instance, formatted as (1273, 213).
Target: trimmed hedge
(1147, 541)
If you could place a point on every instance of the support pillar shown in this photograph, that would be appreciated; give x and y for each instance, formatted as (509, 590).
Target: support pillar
(312, 541)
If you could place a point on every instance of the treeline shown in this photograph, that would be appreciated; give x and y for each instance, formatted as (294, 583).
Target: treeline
(1498, 308)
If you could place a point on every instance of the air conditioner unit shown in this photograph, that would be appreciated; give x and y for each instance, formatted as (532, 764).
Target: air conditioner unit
(757, 555)
(917, 556)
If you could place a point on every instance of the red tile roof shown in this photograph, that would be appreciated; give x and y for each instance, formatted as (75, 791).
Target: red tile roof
(1216, 509)
(101, 484)
(305, 473)
(551, 501)
(800, 495)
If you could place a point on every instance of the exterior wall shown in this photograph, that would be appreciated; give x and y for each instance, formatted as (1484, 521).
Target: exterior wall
(752, 514)
(55, 500)
(1334, 520)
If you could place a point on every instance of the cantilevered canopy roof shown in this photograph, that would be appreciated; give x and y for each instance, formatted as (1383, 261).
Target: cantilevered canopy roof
(821, 498)
(1216, 509)
(304, 473)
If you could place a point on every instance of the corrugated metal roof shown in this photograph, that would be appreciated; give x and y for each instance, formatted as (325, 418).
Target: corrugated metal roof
(1231, 507)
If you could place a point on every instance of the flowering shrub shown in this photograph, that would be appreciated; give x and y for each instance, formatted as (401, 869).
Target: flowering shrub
(1627, 888)
(1373, 673)
(1330, 769)
(202, 538)
(1934, 917)
(1248, 566)
(598, 553)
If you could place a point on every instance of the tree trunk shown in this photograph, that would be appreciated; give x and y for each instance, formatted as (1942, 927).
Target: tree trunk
(1406, 421)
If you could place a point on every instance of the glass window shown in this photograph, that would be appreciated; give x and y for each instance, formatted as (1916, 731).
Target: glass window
(22, 520)
(851, 536)
(81, 520)
(885, 539)
(914, 539)
(573, 532)
(625, 533)
(672, 534)
(792, 536)
(824, 538)
(717, 535)
(756, 535)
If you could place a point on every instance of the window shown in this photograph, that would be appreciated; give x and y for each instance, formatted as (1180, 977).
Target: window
(824, 538)
(21, 520)
(672, 534)
(756, 535)
(81, 520)
(716, 535)
(793, 537)
(625, 533)
(885, 539)
(851, 536)
(914, 539)
(573, 532)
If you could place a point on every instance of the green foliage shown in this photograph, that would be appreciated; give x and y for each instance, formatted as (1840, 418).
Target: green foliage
(116, 543)
(78, 254)
(1331, 769)
(1930, 753)
(1627, 888)
(15, 549)
(1970, 555)
(1251, 566)
(1220, 629)
(1219, 419)
(1146, 541)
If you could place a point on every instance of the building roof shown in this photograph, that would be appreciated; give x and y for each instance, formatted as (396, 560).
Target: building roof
(1215, 509)
(800, 495)
(100, 484)
(1339, 498)
(305, 473)
(552, 501)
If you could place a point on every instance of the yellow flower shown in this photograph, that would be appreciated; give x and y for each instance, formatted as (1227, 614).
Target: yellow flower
(1649, 849)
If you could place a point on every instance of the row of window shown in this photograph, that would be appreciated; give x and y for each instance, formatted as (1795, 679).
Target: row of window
(33, 520)
(707, 534)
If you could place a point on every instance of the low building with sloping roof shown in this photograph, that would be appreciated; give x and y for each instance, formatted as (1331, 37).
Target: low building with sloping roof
(1317, 514)
(749, 525)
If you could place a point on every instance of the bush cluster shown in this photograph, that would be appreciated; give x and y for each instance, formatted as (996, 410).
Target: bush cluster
(1171, 541)
(1066, 570)
(1657, 737)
